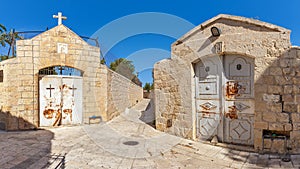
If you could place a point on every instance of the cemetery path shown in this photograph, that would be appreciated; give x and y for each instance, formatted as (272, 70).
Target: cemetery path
(124, 142)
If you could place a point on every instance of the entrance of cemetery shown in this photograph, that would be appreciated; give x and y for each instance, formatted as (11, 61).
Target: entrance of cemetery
(60, 96)
(225, 98)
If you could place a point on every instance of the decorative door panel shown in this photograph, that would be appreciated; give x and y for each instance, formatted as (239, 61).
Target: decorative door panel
(240, 130)
(239, 100)
(208, 86)
(209, 117)
(72, 100)
(239, 106)
(50, 98)
(208, 97)
(224, 100)
(208, 125)
(239, 74)
(60, 100)
(208, 73)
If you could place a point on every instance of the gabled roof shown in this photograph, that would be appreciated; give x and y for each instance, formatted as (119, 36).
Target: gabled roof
(254, 22)
(69, 30)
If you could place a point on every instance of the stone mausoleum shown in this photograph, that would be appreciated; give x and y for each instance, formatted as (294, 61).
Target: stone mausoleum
(56, 79)
(235, 79)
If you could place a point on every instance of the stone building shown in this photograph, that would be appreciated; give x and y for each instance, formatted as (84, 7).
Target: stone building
(56, 79)
(234, 78)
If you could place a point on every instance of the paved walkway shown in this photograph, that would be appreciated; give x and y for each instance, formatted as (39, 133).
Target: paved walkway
(125, 142)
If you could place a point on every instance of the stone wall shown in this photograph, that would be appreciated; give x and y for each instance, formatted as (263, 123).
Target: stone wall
(121, 93)
(275, 77)
(277, 95)
(172, 104)
(1, 88)
(2, 114)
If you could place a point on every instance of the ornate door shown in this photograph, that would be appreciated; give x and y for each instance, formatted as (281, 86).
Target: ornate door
(224, 96)
(60, 100)
(208, 99)
(239, 100)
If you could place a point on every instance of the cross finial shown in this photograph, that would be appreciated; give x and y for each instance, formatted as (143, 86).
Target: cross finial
(60, 18)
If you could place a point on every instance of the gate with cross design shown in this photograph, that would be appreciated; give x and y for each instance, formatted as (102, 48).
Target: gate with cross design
(225, 98)
(60, 100)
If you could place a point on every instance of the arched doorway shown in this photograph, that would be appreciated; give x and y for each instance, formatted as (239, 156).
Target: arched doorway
(60, 96)
(225, 98)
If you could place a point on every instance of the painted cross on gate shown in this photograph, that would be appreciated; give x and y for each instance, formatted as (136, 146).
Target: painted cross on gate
(50, 88)
(73, 88)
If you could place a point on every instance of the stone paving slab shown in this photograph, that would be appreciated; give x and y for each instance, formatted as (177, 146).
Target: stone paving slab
(102, 146)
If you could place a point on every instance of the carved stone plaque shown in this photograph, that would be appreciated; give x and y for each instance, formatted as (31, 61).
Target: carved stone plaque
(62, 48)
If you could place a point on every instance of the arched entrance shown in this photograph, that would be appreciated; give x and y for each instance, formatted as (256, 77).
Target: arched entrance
(225, 98)
(60, 96)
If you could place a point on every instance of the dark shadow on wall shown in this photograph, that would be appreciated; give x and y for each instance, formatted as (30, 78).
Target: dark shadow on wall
(26, 149)
(148, 115)
(9, 122)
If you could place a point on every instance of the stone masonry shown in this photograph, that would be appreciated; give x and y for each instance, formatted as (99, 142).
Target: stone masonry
(276, 78)
(19, 102)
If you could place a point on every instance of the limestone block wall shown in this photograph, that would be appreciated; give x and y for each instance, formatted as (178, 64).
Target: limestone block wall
(275, 77)
(1, 88)
(135, 94)
(121, 93)
(103, 95)
(16, 91)
(172, 86)
(278, 104)
(2, 113)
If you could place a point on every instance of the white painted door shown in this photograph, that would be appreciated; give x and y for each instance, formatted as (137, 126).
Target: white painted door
(60, 100)
(208, 98)
(224, 98)
(239, 100)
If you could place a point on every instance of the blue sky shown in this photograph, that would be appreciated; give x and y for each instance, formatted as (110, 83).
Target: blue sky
(86, 17)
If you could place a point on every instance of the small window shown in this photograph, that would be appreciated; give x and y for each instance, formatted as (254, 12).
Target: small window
(207, 69)
(1, 76)
(238, 66)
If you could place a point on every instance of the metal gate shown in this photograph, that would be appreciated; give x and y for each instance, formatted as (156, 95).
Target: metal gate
(60, 99)
(225, 98)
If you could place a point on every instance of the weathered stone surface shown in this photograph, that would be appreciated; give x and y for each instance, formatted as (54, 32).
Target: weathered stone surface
(261, 125)
(285, 63)
(288, 127)
(288, 89)
(275, 71)
(288, 98)
(290, 107)
(271, 98)
(275, 89)
(297, 99)
(121, 93)
(276, 126)
(269, 117)
(295, 117)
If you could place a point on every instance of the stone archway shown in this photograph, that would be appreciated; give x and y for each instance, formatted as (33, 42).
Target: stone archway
(60, 96)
